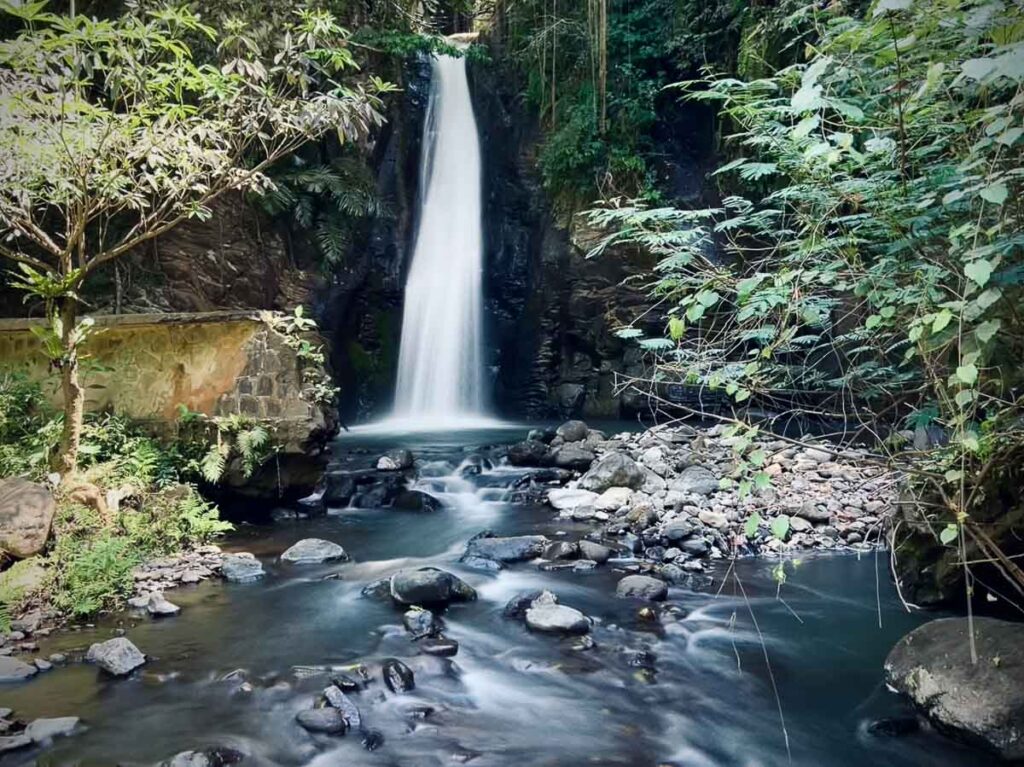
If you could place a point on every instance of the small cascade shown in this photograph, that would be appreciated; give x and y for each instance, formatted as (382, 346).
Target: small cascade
(440, 362)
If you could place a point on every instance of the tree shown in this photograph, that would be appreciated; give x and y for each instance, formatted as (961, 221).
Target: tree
(113, 132)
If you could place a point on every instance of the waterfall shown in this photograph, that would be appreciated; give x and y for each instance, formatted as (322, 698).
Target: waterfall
(440, 361)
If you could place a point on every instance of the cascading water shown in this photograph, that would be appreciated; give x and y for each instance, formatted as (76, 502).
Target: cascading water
(440, 362)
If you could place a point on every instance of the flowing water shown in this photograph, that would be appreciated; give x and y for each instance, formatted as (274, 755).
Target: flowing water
(440, 361)
(695, 691)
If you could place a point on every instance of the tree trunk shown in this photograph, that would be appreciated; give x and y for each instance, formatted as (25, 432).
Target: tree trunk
(66, 460)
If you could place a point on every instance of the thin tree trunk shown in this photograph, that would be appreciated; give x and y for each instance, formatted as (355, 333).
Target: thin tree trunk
(74, 394)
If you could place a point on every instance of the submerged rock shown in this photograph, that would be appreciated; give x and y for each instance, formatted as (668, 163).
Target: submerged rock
(14, 670)
(981, 702)
(421, 623)
(313, 551)
(116, 656)
(326, 720)
(339, 700)
(209, 757)
(415, 500)
(642, 587)
(241, 568)
(42, 730)
(397, 676)
(396, 460)
(519, 548)
(613, 470)
(442, 647)
(893, 726)
(429, 586)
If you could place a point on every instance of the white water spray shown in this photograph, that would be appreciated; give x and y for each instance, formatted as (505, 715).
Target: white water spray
(440, 362)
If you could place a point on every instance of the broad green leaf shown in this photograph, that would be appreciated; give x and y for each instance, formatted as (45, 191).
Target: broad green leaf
(805, 126)
(970, 441)
(979, 271)
(942, 319)
(742, 395)
(988, 297)
(949, 533)
(695, 311)
(708, 298)
(967, 374)
(757, 458)
(965, 397)
(676, 328)
(873, 322)
(995, 193)
(987, 330)
(762, 480)
(780, 527)
(751, 525)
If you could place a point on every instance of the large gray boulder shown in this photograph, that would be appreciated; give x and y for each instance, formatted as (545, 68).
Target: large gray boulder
(642, 587)
(532, 452)
(116, 656)
(241, 568)
(573, 431)
(313, 551)
(556, 619)
(429, 586)
(573, 457)
(26, 516)
(982, 702)
(566, 498)
(613, 470)
(14, 670)
(518, 548)
(696, 480)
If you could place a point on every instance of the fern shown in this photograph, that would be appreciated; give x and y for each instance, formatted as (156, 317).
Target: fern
(214, 463)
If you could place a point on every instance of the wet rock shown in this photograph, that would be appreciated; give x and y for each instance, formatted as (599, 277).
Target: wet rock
(439, 646)
(117, 656)
(695, 479)
(562, 550)
(429, 586)
(372, 739)
(396, 460)
(517, 606)
(481, 563)
(210, 757)
(568, 499)
(26, 516)
(322, 720)
(338, 488)
(893, 726)
(573, 431)
(42, 665)
(695, 547)
(596, 552)
(158, 605)
(584, 565)
(556, 619)
(339, 700)
(416, 500)
(541, 435)
(378, 589)
(14, 670)
(313, 551)
(573, 457)
(241, 568)
(642, 587)
(421, 623)
(42, 730)
(982, 702)
(519, 548)
(397, 676)
(14, 742)
(613, 470)
(530, 453)
(345, 683)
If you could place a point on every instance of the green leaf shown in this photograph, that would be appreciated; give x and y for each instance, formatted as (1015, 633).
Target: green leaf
(949, 533)
(986, 331)
(780, 527)
(995, 193)
(942, 319)
(757, 458)
(708, 298)
(967, 374)
(762, 480)
(965, 397)
(970, 441)
(676, 328)
(695, 312)
(979, 271)
(742, 395)
(873, 321)
(751, 525)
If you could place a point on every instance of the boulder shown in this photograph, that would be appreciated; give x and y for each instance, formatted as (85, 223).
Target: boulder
(415, 500)
(421, 623)
(642, 587)
(313, 551)
(338, 488)
(14, 670)
(517, 606)
(429, 586)
(519, 548)
(339, 700)
(567, 499)
(613, 470)
(530, 453)
(556, 619)
(26, 516)
(573, 457)
(329, 720)
(613, 499)
(241, 568)
(595, 552)
(981, 702)
(573, 431)
(117, 656)
(396, 460)
(158, 605)
(397, 676)
(14, 742)
(42, 730)
(696, 480)
(562, 550)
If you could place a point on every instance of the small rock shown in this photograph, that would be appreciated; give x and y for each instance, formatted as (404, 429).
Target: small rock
(240, 568)
(339, 700)
(43, 665)
(116, 656)
(567, 499)
(642, 587)
(429, 586)
(695, 479)
(559, 619)
(517, 606)
(613, 470)
(42, 730)
(519, 548)
(421, 623)
(313, 551)
(345, 683)
(397, 676)
(573, 457)
(158, 606)
(326, 720)
(561, 550)
(439, 646)
(14, 742)
(14, 670)
(613, 498)
(715, 519)
(396, 460)
(596, 552)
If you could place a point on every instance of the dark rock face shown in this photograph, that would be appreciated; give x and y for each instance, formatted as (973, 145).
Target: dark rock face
(397, 676)
(415, 500)
(323, 720)
(429, 586)
(983, 702)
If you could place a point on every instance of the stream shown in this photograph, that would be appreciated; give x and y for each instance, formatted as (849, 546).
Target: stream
(693, 690)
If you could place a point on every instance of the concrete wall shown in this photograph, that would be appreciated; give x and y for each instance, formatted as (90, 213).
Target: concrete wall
(146, 365)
